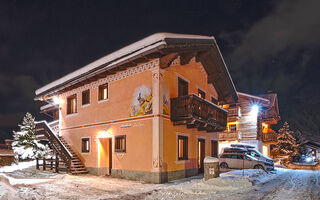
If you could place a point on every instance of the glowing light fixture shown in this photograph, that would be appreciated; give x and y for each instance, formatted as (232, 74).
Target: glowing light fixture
(104, 134)
(254, 110)
(57, 100)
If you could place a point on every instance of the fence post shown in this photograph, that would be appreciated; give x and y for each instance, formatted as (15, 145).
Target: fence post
(51, 163)
(37, 163)
(57, 163)
(44, 164)
(243, 165)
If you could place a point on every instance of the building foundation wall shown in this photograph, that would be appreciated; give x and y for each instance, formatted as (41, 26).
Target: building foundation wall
(153, 177)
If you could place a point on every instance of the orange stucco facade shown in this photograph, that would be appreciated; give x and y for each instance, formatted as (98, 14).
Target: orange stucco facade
(151, 138)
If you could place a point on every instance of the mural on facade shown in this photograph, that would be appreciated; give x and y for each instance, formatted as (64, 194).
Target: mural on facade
(141, 101)
(166, 97)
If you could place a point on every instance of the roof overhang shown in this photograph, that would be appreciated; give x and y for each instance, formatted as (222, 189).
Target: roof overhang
(160, 45)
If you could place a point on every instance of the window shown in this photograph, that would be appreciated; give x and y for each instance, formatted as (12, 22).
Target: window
(233, 127)
(85, 145)
(182, 148)
(86, 97)
(103, 92)
(72, 104)
(214, 100)
(120, 143)
(201, 94)
(182, 87)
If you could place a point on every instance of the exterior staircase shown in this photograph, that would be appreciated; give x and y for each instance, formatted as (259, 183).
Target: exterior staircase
(68, 159)
(76, 166)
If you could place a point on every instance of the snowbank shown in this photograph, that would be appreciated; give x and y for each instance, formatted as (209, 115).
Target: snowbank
(253, 175)
(19, 166)
(26, 181)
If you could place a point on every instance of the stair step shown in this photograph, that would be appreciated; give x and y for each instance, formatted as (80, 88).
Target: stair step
(78, 169)
(79, 172)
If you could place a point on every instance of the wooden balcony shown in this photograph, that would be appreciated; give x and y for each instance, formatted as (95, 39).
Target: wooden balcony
(233, 113)
(230, 136)
(199, 113)
(270, 137)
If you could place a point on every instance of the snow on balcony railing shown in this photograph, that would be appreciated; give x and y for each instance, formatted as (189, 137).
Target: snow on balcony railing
(54, 125)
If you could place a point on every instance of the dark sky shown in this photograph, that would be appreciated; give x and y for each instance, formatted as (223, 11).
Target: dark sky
(267, 45)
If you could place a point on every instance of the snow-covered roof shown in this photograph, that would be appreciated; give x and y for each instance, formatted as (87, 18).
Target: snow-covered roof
(151, 41)
(151, 44)
(254, 97)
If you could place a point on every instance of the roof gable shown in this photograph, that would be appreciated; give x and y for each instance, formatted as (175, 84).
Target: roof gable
(160, 45)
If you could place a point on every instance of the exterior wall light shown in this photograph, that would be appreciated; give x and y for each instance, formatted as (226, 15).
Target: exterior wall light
(57, 100)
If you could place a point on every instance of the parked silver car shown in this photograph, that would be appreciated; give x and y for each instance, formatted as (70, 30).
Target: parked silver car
(236, 161)
(253, 152)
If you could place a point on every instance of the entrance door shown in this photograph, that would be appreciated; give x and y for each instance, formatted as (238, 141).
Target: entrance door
(214, 148)
(201, 154)
(105, 154)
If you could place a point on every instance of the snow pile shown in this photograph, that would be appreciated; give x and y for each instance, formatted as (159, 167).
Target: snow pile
(26, 181)
(19, 166)
(5, 174)
(200, 189)
(253, 175)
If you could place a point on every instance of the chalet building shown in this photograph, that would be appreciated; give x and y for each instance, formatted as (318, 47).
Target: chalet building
(148, 111)
(250, 121)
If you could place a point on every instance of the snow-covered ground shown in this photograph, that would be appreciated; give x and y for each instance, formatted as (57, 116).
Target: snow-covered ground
(280, 184)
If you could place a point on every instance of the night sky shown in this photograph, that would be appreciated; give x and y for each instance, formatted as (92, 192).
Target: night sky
(267, 46)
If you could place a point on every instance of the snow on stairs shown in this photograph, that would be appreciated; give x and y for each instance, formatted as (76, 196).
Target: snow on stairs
(76, 165)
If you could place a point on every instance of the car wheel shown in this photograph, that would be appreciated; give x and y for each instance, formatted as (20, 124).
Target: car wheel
(258, 167)
(224, 165)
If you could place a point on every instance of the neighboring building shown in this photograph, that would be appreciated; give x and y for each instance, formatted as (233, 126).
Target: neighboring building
(314, 148)
(250, 120)
(146, 112)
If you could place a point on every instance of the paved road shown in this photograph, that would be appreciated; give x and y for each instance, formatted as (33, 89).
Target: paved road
(291, 184)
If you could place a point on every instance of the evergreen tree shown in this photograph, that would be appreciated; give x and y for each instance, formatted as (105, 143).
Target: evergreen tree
(286, 144)
(25, 144)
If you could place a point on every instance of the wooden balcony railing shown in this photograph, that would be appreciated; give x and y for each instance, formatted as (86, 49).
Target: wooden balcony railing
(54, 125)
(270, 137)
(233, 111)
(223, 136)
(199, 113)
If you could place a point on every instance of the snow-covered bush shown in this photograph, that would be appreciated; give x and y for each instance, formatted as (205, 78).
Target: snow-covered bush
(25, 144)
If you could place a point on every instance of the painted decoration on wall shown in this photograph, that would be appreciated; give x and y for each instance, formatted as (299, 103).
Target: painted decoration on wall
(141, 101)
(166, 97)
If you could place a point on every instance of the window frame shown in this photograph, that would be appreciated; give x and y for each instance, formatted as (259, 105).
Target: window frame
(184, 81)
(123, 150)
(103, 86)
(85, 139)
(214, 100)
(69, 100)
(185, 147)
(201, 92)
(82, 95)
(231, 130)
